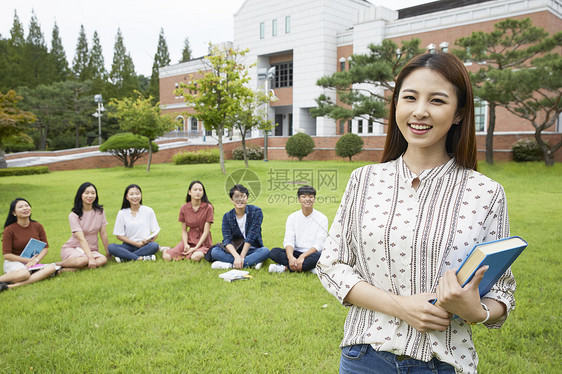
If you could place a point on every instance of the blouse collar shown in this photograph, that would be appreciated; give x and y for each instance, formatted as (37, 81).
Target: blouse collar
(429, 174)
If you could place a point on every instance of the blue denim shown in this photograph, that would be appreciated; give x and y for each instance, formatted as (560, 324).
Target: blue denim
(130, 252)
(362, 358)
(279, 255)
(253, 256)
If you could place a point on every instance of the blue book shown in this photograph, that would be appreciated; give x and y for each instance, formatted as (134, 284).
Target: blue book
(33, 248)
(497, 254)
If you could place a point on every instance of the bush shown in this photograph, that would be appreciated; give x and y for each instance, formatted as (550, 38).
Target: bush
(349, 145)
(299, 145)
(253, 152)
(203, 156)
(18, 143)
(9, 172)
(127, 147)
(526, 150)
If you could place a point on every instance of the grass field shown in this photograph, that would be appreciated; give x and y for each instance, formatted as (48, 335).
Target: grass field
(180, 317)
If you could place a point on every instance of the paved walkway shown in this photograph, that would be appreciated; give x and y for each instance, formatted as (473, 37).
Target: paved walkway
(51, 157)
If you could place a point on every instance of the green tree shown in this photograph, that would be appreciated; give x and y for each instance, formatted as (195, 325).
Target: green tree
(12, 56)
(128, 147)
(512, 45)
(360, 89)
(81, 57)
(79, 107)
(161, 59)
(216, 96)
(349, 145)
(252, 115)
(122, 72)
(300, 145)
(58, 56)
(96, 65)
(186, 52)
(37, 63)
(13, 120)
(141, 117)
(535, 94)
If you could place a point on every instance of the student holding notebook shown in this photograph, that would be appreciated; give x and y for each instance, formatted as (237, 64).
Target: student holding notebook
(405, 225)
(18, 230)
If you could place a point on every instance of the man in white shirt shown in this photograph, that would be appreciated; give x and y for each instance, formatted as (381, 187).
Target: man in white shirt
(305, 233)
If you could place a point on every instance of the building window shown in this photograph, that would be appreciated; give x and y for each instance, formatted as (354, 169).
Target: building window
(287, 24)
(193, 124)
(262, 30)
(370, 127)
(480, 110)
(360, 126)
(350, 126)
(342, 126)
(274, 27)
(283, 75)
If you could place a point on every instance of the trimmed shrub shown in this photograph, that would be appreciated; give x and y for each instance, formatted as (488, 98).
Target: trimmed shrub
(253, 152)
(526, 150)
(9, 172)
(300, 145)
(203, 156)
(18, 143)
(127, 147)
(349, 145)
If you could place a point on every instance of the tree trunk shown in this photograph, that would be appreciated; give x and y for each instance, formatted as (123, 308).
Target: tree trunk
(490, 133)
(42, 138)
(78, 135)
(221, 149)
(3, 162)
(243, 134)
(149, 155)
(548, 156)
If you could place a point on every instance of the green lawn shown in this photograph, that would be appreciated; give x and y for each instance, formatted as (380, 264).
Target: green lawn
(180, 317)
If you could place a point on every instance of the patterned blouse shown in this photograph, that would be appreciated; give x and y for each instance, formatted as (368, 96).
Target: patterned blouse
(402, 240)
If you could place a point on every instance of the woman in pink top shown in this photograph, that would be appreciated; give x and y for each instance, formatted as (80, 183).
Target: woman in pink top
(197, 215)
(87, 221)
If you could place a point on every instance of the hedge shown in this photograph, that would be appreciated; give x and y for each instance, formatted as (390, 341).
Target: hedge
(10, 172)
(203, 156)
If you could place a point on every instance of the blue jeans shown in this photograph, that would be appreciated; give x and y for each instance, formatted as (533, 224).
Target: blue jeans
(279, 255)
(130, 252)
(253, 256)
(362, 358)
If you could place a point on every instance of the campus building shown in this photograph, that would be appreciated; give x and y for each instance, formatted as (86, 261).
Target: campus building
(306, 40)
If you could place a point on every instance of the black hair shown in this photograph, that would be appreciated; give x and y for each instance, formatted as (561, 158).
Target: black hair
(306, 190)
(204, 198)
(126, 203)
(11, 218)
(239, 188)
(78, 199)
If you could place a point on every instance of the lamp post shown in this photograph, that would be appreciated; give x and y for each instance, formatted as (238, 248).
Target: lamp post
(98, 99)
(270, 75)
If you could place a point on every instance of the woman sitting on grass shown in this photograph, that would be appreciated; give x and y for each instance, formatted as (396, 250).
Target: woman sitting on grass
(136, 226)
(18, 230)
(197, 215)
(87, 221)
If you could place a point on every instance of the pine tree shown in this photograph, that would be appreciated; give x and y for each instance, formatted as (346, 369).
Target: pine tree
(186, 52)
(15, 55)
(161, 59)
(80, 62)
(17, 38)
(38, 68)
(58, 56)
(96, 65)
(122, 70)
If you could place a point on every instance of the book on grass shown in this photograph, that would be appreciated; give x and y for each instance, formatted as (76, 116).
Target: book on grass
(497, 254)
(33, 248)
(235, 274)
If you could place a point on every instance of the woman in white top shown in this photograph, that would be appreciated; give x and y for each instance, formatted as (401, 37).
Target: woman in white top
(405, 225)
(136, 226)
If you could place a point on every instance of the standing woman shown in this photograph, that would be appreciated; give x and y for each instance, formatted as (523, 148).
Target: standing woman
(18, 229)
(136, 226)
(87, 221)
(405, 225)
(197, 214)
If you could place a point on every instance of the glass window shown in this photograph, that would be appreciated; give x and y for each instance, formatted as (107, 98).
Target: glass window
(350, 126)
(370, 127)
(480, 107)
(342, 65)
(360, 126)
(274, 27)
(342, 126)
(193, 124)
(262, 30)
(287, 24)
(283, 75)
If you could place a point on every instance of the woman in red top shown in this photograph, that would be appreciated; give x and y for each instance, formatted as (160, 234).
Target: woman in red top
(197, 215)
(18, 229)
